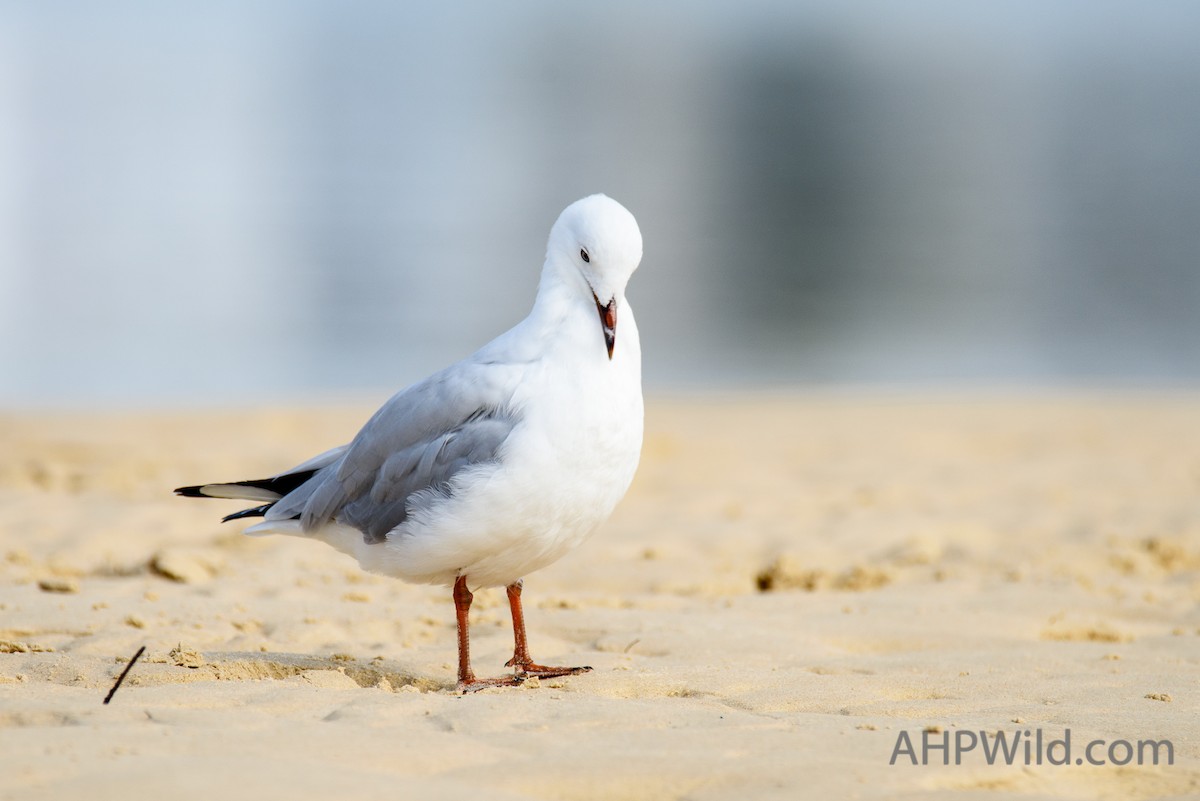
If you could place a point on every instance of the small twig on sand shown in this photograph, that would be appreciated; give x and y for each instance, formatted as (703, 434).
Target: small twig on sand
(124, 673)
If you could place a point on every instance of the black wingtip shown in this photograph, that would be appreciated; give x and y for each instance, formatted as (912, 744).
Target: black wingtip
(191, 492)
(257, 511)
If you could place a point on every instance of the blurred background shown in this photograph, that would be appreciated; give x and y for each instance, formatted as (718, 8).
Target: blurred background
(236, 202)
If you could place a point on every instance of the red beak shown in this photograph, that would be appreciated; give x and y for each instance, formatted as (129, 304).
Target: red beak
(608, 321)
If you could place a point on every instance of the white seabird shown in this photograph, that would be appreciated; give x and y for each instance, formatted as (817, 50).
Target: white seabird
(499, 464)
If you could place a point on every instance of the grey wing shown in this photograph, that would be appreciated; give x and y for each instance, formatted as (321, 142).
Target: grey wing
(424, 467)
(416, 443)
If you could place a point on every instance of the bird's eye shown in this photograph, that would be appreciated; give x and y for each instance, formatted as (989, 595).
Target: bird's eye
(583, 254)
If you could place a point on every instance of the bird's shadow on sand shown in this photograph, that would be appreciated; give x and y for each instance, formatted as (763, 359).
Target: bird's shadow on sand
(256, 665)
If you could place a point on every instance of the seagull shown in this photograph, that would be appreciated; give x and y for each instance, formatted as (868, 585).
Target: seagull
(499, 464)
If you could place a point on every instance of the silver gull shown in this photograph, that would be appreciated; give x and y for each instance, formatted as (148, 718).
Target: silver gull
(499, 464)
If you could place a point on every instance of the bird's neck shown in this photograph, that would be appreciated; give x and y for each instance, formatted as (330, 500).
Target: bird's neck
(560, 292)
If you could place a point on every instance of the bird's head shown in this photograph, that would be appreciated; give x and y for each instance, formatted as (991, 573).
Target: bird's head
(598, 239)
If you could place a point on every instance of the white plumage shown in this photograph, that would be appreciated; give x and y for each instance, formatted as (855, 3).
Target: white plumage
(499, 464)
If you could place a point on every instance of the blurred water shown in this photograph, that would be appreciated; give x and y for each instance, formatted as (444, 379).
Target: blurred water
(230, 202)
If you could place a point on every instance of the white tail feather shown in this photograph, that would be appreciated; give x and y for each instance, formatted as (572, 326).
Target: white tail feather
(239, 492)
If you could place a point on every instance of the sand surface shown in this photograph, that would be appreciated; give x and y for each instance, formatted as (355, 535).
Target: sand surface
(791, 587)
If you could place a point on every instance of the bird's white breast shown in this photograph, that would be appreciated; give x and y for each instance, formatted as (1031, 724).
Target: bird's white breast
(561, 471)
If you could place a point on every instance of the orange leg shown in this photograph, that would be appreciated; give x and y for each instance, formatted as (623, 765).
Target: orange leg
(521, 660)
(466, 677)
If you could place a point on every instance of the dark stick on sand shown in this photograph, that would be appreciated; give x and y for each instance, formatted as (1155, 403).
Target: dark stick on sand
(124, 673)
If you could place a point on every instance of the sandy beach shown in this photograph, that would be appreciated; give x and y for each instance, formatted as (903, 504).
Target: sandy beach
(795, 588)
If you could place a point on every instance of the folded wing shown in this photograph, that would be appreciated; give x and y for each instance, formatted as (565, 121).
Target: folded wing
(411, 448)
